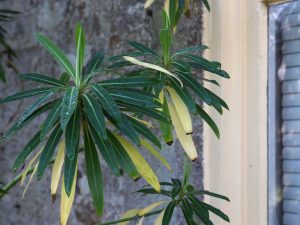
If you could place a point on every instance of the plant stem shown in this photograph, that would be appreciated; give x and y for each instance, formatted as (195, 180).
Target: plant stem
(131, 218)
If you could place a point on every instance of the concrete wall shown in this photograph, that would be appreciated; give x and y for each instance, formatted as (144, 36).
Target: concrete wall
(108, 25)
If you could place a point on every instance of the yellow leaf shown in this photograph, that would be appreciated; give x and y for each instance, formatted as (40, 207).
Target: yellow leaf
(159, 219)
(141, 221)
(24, 174)
(140, 163)
(155, 153)
(161, 98)
(148, 3)
(167, 7)
(151, 66)
(32, 175)
(57, 167)
(185, 140)
(182, 111)
(67, 201)
(149, 208)
(146, 123)
(127, 214)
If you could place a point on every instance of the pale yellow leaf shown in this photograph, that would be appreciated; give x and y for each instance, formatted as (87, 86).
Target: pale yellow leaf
(127, 214)
(148, 3)
(57, 167)
(67, 201)
(149, 208)
(141, 221)
(24, 174)
(151, 66)
(146, 123)
(30, 179)
(182, 111)
(161, 98)
(159, 219)
(140, 163)
(185, 140)
(167, 7)
(155, 153)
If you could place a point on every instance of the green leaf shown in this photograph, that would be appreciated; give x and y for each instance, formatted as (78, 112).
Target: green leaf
(214, 210)
(107, 151)
(120, 57)
(80, 46)
(65, 78)
(48, 151)
(152, 191)
(201, 212)
(196, 87)
(123, 158)
(172, 12)
(2, 73)
(166, 128)
(35, 106)
(166, 20)
(25, 94)
(51, 119)
(42, 79)
(68, 105)
(107, 102)
(168, 213)
(144, 49)
(203, 192)
(151, 112)
(165, 37)
(186, 172)
(187, 211)
(184, 95)
(209, 121)
(94, 63)
(182, 66)
(206, 5)
(198, 48)
(27, 150)
(93, 170)
(129, 82)
(57, 54)
(16, 127)
(144, 131)
(95, 115)
(69, 171)
(136, 98)
(72, 134)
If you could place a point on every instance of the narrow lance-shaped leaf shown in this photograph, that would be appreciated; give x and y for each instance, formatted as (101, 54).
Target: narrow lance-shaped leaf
(209, 121)
(25, 94)
(68, 106)
(58, 55)
(123, 159)
(107, 102)
(51, 119)
(95, 63)
(35, 106)
(151, 66)
(166, 128)
(93, 170)
(187, 211)
(107, 151)
(129, 82)
(57, 168)
(80, 46)
(48, 150)
(70, 169)
(182, 110)
(185, 140)
(140, 163)
(67, 200)
(168, 213)
(27, 150)
(42, 79)
(72, 134)
(95, 114)
(150, 207)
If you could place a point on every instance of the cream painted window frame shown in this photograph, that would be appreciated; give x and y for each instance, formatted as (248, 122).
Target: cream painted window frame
(236, 165)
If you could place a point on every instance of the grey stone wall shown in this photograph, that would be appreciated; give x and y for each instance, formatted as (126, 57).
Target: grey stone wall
(108, 25)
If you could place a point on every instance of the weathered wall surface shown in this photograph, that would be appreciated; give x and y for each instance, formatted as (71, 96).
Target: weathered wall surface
(108, 25)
